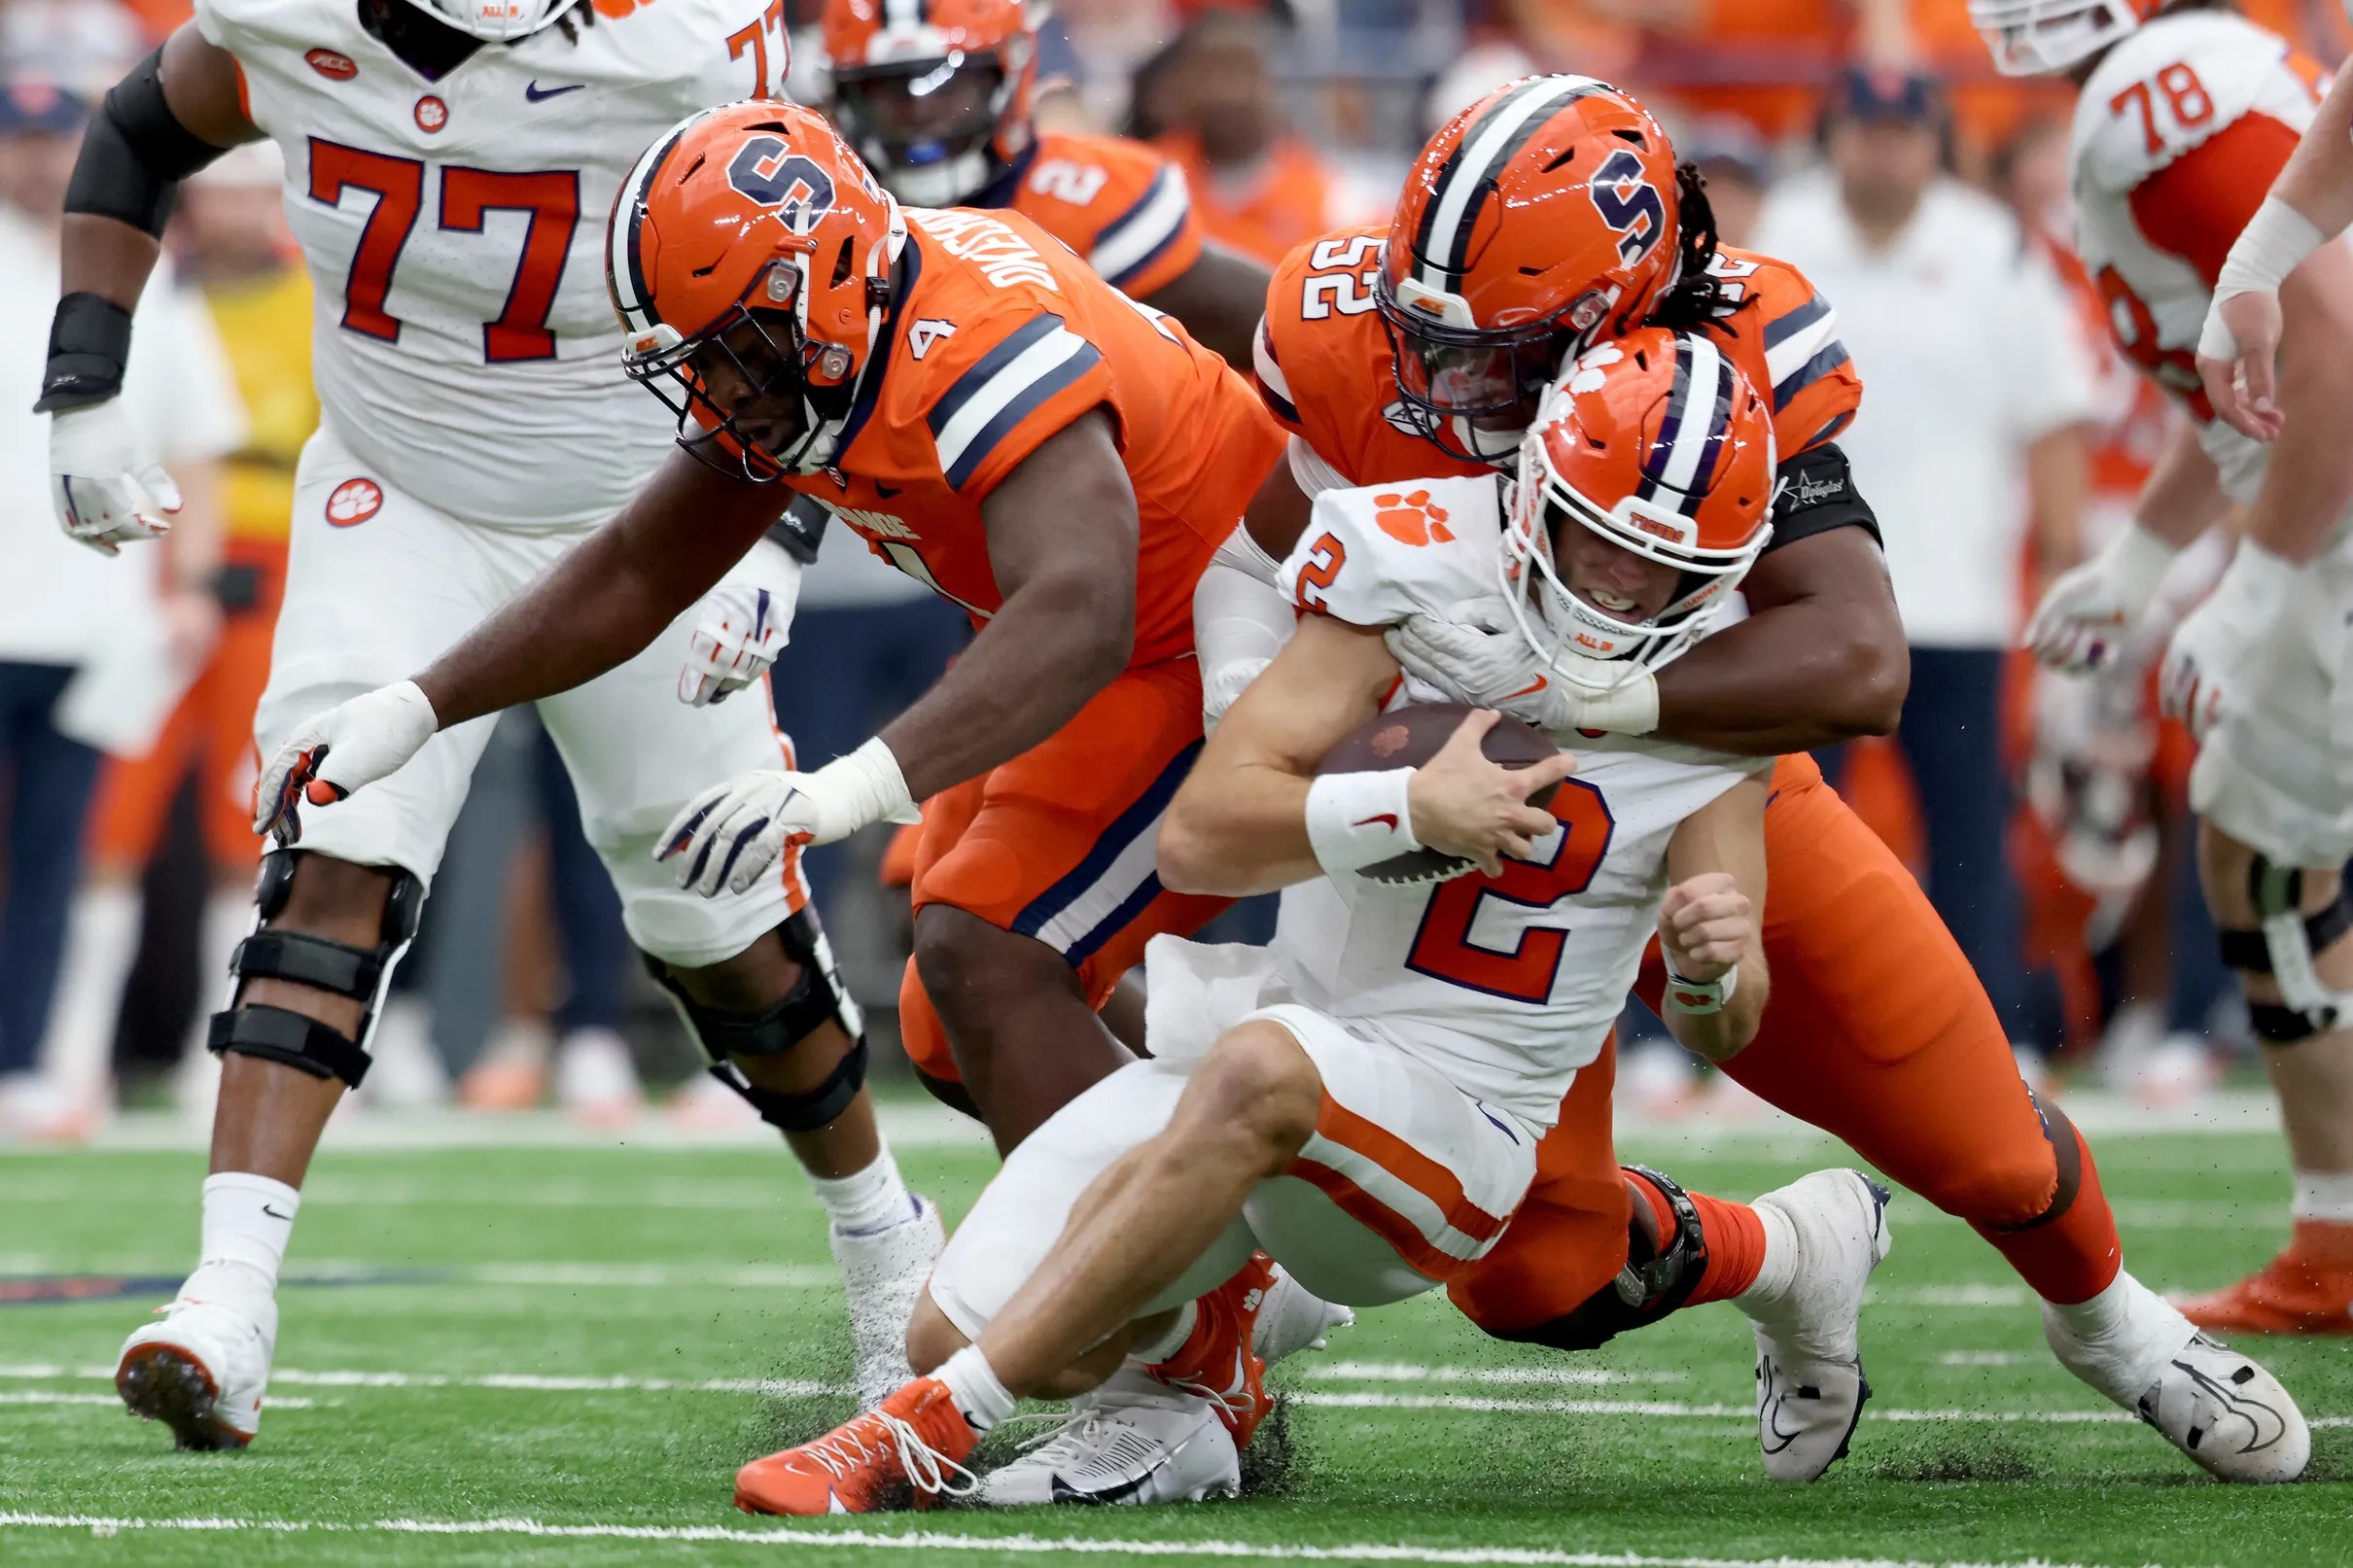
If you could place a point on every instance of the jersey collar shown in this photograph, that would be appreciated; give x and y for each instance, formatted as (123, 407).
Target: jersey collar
(998, 192)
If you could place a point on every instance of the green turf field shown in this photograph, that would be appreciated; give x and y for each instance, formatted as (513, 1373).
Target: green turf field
(559, 1355)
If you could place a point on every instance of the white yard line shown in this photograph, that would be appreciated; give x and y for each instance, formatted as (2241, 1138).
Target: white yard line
(800, 1540)
(1314, 1398)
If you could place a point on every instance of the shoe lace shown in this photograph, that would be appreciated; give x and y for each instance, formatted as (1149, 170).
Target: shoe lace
(854, 1446)
(1074, 1435)
(1235, 1402)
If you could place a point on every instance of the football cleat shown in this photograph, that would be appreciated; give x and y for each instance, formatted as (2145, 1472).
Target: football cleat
(884, 1271)
(2220, 1408)
(1215, 1362)
(1131, 1442)
(201, 1370)
(2292, 1294)
(907, 1451)
(1292, 1320)
(1810, 1388)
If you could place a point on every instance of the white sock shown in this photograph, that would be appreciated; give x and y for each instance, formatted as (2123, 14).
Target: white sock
(1169, 1343)
(1778, 1273)
(2088, 1323)
(101, 938)
(867, 1201)
(248, 1220)
(2326, 1195)
(2118, 1341)
(973, 1385)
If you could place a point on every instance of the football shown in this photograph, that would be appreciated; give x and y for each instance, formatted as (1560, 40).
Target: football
(1407, 738)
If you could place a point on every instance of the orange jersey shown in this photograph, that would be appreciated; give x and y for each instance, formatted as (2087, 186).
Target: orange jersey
(1323, 361)
(997, 339)
(1286, 203)
(1122, 206)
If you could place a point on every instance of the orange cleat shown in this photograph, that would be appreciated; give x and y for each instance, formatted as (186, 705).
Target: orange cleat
(904, 1453)
(1215, 1362)
(2294, 1293)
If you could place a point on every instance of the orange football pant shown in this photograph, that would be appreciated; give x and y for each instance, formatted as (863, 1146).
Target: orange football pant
(1058, 844)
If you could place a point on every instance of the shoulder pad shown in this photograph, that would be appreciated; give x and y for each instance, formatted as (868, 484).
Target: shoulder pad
(2172, 85)
(1374, 555)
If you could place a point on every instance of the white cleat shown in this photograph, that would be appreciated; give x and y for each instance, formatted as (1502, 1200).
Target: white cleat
(2221, 1408)
(884, 1272)
(202, 1369)
(1290, 1320)
(1131, 1442)
(1810, 1388)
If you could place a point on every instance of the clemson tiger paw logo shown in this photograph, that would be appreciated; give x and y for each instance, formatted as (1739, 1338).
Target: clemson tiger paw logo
(1411, 518)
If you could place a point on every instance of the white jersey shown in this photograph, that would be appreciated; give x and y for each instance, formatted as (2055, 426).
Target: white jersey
(465, 342)
(2178, 133)
(1507, 985)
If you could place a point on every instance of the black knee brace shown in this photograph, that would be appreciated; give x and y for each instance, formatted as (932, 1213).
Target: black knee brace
(283, 1036)
(2060, 1133)
(2284, 948)
(1660, 1274)
(819, 999)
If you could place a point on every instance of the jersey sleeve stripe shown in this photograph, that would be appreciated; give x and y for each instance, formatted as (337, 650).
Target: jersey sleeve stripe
(1271, 383)
(1787, 351)
(1118, 875)
(1785, 388)
(1777, 332)
(1828, 432)
(1028, 335)
(1054, 363)
(1135, 239)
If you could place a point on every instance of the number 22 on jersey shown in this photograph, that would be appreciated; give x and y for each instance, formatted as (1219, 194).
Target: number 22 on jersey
(1443, 947)
(467, 197)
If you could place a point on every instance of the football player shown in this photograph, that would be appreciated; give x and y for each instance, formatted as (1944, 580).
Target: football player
(1550, 214)
(448, 168)
(1363, 1098)
(993, 419)
(935, 96)
(2186, 112)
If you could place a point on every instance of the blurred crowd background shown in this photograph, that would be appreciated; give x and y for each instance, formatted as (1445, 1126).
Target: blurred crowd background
(1866, 140)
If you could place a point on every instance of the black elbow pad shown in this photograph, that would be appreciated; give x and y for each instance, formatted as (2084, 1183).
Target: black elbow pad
(135, 151)
(1817, 494)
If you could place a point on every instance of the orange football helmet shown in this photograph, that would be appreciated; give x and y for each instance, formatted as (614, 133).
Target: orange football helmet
(1658, 444)
(2045, 37)
(1541, 218)
(751, 257)
(933, 93)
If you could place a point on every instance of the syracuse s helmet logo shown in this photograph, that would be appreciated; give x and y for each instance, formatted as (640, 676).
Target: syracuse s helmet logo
(773, 175)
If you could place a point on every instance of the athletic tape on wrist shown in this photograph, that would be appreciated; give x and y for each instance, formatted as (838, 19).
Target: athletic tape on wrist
(1357, 820)
(1699, 996)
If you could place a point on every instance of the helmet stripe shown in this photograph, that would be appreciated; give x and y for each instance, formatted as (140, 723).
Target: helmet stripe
(1441, 250)
(899, 14)
(1663, 449)
(624, 265)
(1717, 450)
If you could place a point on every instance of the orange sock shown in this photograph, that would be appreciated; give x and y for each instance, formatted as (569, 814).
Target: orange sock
(1735, 1237)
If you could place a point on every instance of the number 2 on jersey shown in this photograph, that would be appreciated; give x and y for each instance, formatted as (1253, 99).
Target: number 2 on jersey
(551, 197)
(1443, 949)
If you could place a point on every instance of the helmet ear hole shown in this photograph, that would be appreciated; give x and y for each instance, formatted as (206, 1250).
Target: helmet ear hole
(842, 264)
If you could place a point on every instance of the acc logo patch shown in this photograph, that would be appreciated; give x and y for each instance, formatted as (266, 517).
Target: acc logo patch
(353, 501)
(775, 176)
(331, 65)
(432, 114)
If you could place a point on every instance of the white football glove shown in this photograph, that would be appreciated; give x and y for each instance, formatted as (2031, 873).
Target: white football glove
(730, 836)
(2203, 676)
(350, 744)
(106, 489)
(1465, 654)
(2086, 617)
(733, 645)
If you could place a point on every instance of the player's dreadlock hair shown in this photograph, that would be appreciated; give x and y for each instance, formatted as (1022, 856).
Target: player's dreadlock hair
(1696, 296)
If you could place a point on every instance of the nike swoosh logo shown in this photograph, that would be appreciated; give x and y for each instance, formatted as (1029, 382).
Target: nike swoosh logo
(274, 1214)
(1388, 818)
(1531, 689)
(535, 93)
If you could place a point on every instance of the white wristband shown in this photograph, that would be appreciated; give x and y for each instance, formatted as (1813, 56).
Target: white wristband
(1699, 995)
(867, 786)
(2273, 244)
(1357, 820)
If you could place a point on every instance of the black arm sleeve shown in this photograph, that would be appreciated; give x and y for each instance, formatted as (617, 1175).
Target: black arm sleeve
(801, 529)
(1817, 494)
(135, 151)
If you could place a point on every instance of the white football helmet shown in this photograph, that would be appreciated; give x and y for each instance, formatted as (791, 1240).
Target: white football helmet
(2047, 37)
(495, 21)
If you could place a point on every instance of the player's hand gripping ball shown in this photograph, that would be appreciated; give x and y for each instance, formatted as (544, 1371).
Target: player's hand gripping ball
(1470, 808)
